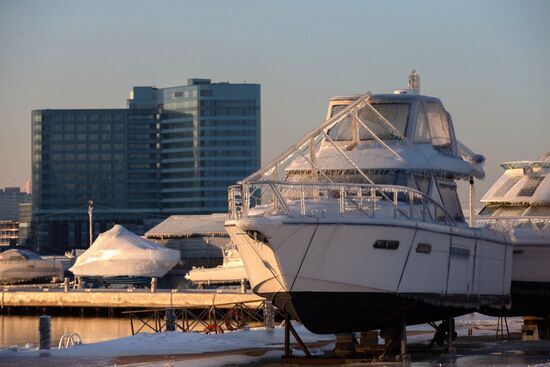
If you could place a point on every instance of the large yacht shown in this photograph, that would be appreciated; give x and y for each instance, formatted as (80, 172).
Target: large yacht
(358, 225)
(519, 203)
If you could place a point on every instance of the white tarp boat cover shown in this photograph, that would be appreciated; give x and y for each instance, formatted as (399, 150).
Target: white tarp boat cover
(119, 252)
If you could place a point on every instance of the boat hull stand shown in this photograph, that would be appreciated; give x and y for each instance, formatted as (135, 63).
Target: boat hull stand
(350, 349)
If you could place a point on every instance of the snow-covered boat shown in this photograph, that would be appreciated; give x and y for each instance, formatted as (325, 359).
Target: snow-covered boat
(22, 266)
(232, 271)
(120, 256)
(358, 225)
(519, 203)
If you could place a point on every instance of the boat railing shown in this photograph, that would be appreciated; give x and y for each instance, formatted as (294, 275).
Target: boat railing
(537, 225)
(323, 199)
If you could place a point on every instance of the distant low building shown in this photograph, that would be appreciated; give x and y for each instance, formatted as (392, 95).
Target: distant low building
(199, 238)
(10, 198)
(9, 232)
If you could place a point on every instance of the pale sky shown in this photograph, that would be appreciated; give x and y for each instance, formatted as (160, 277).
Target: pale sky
(487, 60)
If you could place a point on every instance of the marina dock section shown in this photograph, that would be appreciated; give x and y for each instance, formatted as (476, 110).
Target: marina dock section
(14, 299)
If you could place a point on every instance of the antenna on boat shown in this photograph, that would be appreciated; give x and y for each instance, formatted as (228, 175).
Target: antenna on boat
(414, 82)
(90, 209)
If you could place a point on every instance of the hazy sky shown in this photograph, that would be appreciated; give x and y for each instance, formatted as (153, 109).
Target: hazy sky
(487, 60)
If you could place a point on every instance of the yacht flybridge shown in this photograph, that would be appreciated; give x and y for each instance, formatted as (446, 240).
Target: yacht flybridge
(358, 225)
(519, 202)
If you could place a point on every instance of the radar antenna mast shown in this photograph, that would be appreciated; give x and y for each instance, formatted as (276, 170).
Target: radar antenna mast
(414, 82)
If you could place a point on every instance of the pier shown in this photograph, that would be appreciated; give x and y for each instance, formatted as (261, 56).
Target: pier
(13, 299)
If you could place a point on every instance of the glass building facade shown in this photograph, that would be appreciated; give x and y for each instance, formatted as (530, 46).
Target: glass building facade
(172, 151)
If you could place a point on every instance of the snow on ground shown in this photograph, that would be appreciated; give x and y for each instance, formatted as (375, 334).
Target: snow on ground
(177, 343)
(480, 325)
(193, 345)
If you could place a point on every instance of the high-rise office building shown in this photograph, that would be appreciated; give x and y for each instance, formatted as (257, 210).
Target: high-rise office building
(172, 151)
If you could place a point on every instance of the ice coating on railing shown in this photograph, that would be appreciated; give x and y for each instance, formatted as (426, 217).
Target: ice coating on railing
(336, 201)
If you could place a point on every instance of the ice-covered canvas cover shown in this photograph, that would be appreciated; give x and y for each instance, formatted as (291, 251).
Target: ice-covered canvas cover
(119, 252)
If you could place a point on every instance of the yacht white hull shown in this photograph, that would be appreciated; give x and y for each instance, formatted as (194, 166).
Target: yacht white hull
(329, 275)
(530, 287)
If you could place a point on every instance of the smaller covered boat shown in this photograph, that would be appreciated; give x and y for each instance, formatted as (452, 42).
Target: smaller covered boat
(24, 266)
(231, 272)
(120, 256)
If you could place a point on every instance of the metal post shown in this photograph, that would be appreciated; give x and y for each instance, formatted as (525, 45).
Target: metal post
(269, 314)
(450, 346)
(154, 281)
(472, 220)
(243, 285)
(411, 202)
(360, 194)
(66, 284)
(90, 222)
(342, 200)
(287, 336)
(245, 197)
(395, 203)
(170, 319)
(44, 330)
(372, 200)
(403, 340)
(302, 201)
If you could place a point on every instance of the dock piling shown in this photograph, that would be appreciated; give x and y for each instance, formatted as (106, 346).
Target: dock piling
(44, 330)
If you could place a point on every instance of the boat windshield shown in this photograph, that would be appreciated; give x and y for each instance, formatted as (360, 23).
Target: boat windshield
(395, 113)
(18, 255)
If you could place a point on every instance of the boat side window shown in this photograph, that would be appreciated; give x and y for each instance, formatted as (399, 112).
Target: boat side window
(539, 210)
(511, 182)
(336, 109)
(460, 252)
(422, 129)
(397, 114)
(439, 125)
(424, 248)
(15, 257)
(489, 209)
(386, 244)
(510, 211)
(450, 200)
(530, 186)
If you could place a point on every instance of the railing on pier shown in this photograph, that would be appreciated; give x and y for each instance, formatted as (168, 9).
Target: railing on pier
(213, 319)
(524, 227)
(322, 199)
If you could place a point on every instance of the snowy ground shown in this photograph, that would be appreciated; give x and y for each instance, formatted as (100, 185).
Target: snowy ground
(202, 350)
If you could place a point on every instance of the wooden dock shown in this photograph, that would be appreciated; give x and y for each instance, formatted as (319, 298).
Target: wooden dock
(127, 299)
